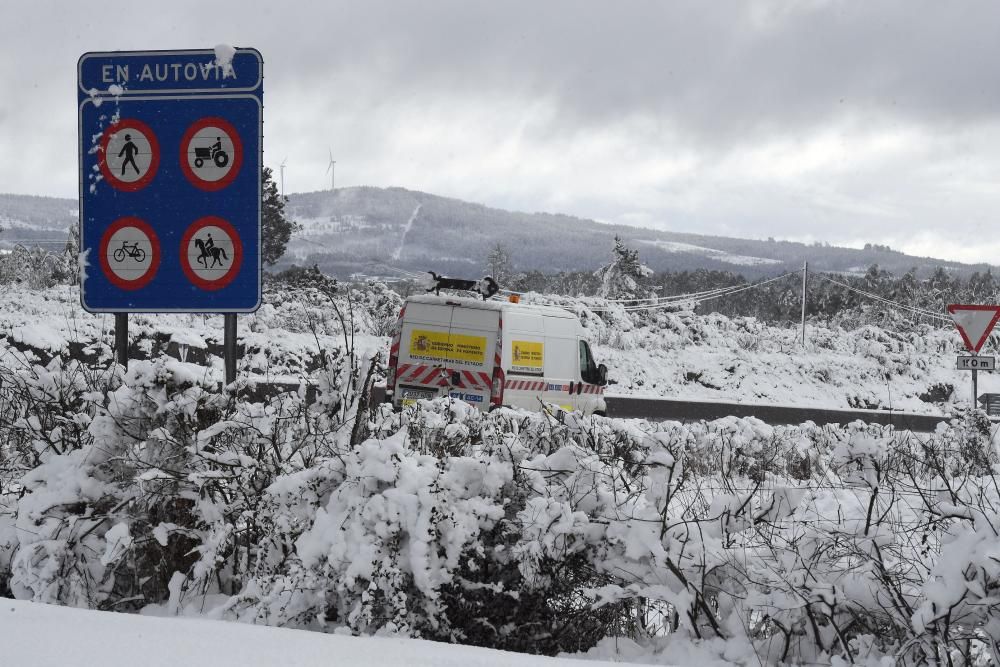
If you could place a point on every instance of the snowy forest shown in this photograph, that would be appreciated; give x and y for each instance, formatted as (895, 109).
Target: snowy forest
(290, 499)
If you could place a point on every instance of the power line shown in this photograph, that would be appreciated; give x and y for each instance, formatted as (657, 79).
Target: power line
(876, 297)
(673, 299)
(708, 295)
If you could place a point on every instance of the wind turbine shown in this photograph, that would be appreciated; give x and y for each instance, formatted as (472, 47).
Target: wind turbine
(282, 167)
(332, 170)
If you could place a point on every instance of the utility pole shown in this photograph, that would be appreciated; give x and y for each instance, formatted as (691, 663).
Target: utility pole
(805, 274)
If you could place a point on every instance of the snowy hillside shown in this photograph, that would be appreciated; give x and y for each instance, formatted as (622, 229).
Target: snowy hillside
(378, 231)
(668, 354)
(688, 356)
(30, 221)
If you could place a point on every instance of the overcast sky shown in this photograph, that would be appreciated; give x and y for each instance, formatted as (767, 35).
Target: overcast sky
(844, 122)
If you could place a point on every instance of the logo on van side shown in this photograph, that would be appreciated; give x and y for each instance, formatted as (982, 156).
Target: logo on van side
(527, 357)
(428, 345)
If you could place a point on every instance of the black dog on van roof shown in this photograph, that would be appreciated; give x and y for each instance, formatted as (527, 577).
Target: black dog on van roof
(487, 287)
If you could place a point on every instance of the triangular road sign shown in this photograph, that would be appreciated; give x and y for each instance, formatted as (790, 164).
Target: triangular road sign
(974, 323)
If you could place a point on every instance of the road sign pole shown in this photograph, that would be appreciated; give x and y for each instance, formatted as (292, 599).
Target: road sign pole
(805, 274)
(229, 346)
(975, 386)
(121, 339)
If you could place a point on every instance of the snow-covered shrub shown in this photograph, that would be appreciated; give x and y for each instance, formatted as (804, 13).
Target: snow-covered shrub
(124, 489)
(542, 532)
(37, 268)
(377, 307)
(441, 530)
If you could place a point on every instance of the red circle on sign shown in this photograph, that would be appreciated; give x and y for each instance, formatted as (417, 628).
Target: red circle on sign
(234, 267)
(225, 126)
(154, 244)
(154, 158)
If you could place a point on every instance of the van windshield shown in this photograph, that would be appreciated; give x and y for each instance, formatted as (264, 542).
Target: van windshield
(588, 369)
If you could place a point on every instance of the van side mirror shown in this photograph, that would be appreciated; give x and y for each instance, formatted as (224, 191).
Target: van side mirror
(602, 373)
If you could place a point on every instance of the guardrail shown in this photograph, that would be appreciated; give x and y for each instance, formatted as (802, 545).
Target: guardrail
(663, 409)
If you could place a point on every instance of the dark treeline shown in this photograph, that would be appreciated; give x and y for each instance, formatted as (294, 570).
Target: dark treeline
(780, 301)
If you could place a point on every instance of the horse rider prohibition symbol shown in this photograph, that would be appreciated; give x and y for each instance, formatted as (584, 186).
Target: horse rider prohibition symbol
(209, 251)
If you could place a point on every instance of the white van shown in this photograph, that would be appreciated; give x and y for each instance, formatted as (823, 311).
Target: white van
(492, 353)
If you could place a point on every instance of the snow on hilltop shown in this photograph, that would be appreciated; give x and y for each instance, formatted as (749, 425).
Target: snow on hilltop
(721, 255)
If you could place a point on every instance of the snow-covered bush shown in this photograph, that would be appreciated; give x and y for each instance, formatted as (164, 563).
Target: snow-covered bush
(123, 489)
(37, 268)
(546, 532)
(542, 532)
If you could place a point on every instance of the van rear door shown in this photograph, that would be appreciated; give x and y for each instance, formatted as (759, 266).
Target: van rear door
(446, 349)
(471, 357)
(425, 326)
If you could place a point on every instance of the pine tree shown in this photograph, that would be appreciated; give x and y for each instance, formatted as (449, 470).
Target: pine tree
(623, 277)
(498, 265)
(276, 229)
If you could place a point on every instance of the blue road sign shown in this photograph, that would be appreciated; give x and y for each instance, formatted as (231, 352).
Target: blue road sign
(170, 180)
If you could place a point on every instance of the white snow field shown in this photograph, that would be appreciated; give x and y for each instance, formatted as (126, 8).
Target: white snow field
(681, 355)
(28, 631)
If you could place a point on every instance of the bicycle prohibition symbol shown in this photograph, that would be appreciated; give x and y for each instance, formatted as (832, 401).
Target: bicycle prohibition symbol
(133, 251)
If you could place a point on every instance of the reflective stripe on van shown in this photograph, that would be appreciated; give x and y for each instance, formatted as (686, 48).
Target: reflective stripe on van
(441, 377)
(526, 385)
(543, 385)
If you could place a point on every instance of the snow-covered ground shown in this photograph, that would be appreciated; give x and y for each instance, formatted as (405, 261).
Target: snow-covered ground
(27, 632)
(442, 465)
(686, 355)
(676, 355)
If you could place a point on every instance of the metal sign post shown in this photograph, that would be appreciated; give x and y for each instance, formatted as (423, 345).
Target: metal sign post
(170, 184)
(805, 276)
(121, 339)
(975, 386)
(229, 346)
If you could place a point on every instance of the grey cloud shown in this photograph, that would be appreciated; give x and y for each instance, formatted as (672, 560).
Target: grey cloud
(705, 80)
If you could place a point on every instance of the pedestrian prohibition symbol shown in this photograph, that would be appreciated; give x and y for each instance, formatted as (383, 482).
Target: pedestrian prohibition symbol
(131, 155)
(170, 180)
